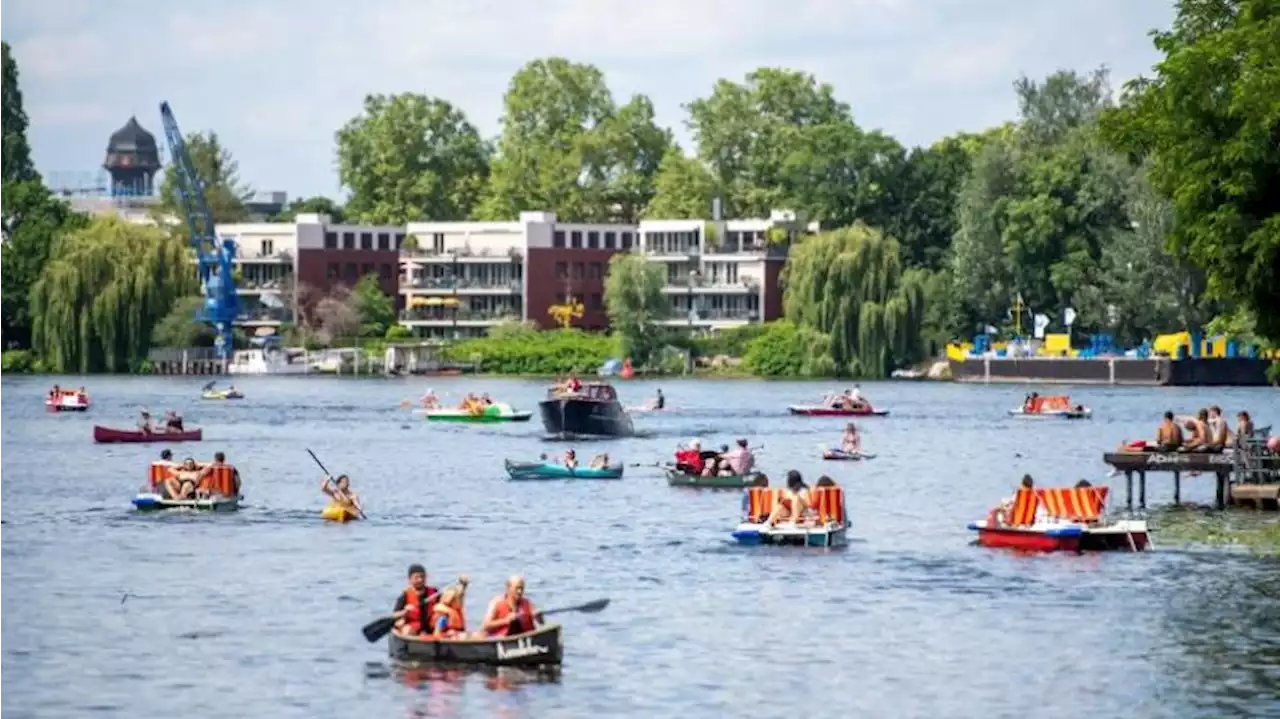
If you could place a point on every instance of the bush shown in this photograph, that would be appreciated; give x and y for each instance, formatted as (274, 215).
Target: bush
(537, 353)
(18, 362)
(731, 342)
(785, 350)
(396, 333)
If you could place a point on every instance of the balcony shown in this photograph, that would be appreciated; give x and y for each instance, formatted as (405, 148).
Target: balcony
(701, 285)
(749, 251)
(445, 284)
(484, 254)
(249, 287)
(446, 316)
(282, 257)
(264, 316)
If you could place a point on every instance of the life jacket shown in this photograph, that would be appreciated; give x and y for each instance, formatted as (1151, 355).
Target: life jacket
(221, 479)
(413, 603)
(159, 473)
(690, 457)
(457, 621)
(525, 624)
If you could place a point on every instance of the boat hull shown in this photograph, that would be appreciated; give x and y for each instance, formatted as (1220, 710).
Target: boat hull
(585, 418)
(737, 481)
(841, 456)
(1128, 535)
(543, 471)
(790, 535)
(335, 512)
(106, 435)
(221, 395)
(542, 647)
(833, 412)
(150, 502)
(1052, 414)
(488, 416)
(65, 407)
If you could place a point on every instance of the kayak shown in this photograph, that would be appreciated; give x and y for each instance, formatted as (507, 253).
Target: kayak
(496, 412)
(821, 411)
(541, 647)
(543, 470)
(336, 512)
(676, 478)
(152, 502)
(221, 394)
(107, 434)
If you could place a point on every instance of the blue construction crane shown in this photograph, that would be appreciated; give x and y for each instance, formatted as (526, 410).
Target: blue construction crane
(221, 304)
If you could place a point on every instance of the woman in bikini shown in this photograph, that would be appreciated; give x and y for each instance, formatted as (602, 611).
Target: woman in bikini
(184, 480)
(793, 502)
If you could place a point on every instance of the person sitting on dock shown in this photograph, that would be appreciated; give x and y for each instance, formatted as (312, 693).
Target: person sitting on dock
(339, 491)
(1244, 427)
(448, 616)
(792, 501)
(1219, 433)
(1169, 435)
(570, 459)
(511, 614)
(1198, 432)
(413, 606)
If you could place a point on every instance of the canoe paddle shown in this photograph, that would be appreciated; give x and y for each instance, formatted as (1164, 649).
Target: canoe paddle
(327, 479)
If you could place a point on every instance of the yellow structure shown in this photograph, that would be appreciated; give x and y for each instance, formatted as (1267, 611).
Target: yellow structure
(566, 313)
(1058, 345)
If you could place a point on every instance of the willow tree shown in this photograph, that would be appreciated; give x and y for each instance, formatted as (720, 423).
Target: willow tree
(102, 292)
(850, 285)
(636, 305)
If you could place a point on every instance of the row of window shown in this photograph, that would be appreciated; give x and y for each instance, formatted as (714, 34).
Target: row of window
(384, 241)
(580, 270)
(593, 238)
(351, 272)
(592, 302)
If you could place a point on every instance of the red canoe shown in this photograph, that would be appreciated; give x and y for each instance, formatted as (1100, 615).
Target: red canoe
(819, 411)
(106, 434)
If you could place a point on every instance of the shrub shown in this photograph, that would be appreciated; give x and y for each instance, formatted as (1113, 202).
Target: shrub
(785, 350)
(538, 353)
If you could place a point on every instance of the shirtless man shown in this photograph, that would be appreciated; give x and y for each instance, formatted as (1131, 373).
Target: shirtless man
(1198, 440)
(1169, 435)
(1219, 433)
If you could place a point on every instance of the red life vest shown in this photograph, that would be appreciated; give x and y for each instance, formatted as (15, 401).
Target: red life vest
(412, 602)
(524, 624)
(456, 622)
(690, 457)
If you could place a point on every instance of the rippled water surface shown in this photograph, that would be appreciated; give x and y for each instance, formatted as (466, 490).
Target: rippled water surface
(256, 614)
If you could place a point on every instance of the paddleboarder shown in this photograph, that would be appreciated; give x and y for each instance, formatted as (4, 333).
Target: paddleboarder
(413, 606)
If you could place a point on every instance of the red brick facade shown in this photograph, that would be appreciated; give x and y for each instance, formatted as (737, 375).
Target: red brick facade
(553, 273)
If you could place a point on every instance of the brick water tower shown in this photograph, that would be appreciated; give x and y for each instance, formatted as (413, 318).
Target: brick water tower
(132, 160)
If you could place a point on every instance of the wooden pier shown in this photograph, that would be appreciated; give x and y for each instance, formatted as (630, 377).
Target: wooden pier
(1240, 478)
(191, 361)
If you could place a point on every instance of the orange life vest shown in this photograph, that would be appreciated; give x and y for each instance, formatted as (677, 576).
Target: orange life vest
(524, 608)
(413, 603)
(221, 479)
(159, 473)
(456, 621)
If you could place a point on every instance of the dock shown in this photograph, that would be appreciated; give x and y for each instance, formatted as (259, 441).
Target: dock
(1245, 476)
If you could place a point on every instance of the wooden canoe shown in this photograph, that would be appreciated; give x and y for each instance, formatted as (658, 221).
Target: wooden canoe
(541, 647)
(107, 434)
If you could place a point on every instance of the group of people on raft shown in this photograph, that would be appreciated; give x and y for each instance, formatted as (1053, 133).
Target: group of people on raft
(172, 423)
(851, 399)
(795, 503)
(1206, 431)
(694, 460)
(190, 479)
(570, 460)
(1034, 404)
(58, 392)
(425, 612)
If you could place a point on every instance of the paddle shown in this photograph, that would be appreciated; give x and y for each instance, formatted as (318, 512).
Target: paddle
(327, 479)
(378, 628)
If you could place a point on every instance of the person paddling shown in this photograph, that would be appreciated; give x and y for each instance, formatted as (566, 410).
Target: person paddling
(511, 614)
(144, 422)
(413, 606)
(340, 491)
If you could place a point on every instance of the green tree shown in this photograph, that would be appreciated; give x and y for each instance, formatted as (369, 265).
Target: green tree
(411, 157)
(180, 328)
(636, 305)
(17, 153)
(102, 292)
(218, 172)
(850, 285)
(627, 150)
(1207, 122)
(377, 310)
(784, 349)
(683, 188)
(925, 191)
(33, 219)
(306, 205)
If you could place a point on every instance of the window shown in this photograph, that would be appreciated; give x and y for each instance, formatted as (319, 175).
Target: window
(593, 240)
(596, 271)
(366, 240)
(384, 240)
(437, 243)
(626, 240)
(399, 240)
(558, 239)
(348, 240)
(333, 272)
(268, 248)
(595, 303)
(562, 270)
(349, 272)
(575, 240)
(331, 240)
(610, 240)
(577, 271)
(386, 271)
(366, 269)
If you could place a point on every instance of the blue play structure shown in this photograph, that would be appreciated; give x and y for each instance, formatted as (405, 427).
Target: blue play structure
(221, 304)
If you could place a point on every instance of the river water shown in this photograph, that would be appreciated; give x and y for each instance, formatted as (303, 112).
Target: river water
(108, 613)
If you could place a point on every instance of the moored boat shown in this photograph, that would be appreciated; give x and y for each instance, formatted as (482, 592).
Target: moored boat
(865, 410)
(1059, 519)
(676, 478)
(338, 512)
(147, 501)
(592, 411)
(546, 470)
(1052, 407)
(829, 528)
(541, 647)
(107, 435)
(496, 412)
(67, 401)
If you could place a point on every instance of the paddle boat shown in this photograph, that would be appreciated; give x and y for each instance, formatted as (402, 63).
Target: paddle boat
(339, 512)
(541, 647)
(1059, 519)
(221, 394)
(496, 412)
(221, 484)
(676, 478)
(828, 529)
(1053, 406)
(148, 501)
(66, 400)
(548, 470)
(105, 435)
(863, 410)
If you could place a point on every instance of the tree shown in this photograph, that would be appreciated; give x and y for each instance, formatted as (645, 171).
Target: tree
(411, 157)
(981, 283)
(307, 205)
(849, 284)
(336, 316)
(1207, 123)
(635, 304)
(17, 153)
(377, 311)
(786, 350)
(683, 187)
(33, 219)
(924, 216)
(218, 172)
(626, 152)
(102, 292)
(180, 328)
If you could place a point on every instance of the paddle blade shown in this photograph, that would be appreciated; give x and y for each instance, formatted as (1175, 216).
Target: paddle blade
(378, 628)
(588, 608)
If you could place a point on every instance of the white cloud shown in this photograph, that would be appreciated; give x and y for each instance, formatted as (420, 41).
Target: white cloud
(277, 79)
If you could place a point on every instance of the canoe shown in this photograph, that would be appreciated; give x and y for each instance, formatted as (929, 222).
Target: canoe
(221, 394)
(819, 411)
(542, 470)
(738, 481)
(338, 513)
(1085, 413)
(107, 434)
(830, 534)
(493, 413)
(540, 647)
(151, 502)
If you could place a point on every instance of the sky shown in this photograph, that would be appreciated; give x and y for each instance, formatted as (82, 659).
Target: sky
(277, 78)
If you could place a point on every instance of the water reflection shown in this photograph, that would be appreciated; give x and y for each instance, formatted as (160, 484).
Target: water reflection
(437, 690)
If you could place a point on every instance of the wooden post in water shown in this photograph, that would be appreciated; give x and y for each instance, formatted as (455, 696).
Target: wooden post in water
(1177, 488)
(1128, 489)
(1142, 489)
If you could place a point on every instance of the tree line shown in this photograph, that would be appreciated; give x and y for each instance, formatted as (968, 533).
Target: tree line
(1148, 209)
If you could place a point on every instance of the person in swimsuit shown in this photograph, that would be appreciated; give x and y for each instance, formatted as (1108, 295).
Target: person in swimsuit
(851, 443)
(184, 480)
(1244, 427)
(793, 502)
(1219, 433)
(1198, 427)
(570, 459)
(1169, 435)
(340, 491)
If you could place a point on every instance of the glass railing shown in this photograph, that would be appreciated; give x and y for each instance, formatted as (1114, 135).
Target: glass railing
(705, 315)
(508, 255)
(445, 314)
(450, 285)
(711, 284)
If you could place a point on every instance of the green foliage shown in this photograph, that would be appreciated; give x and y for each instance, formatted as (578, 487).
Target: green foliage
(102, 292)
(398, 333)
(219, 173)
(180, 328)
(537, 353)
(732, 342)
(33, 220)
(636, 305)
(850, 285)
(1207, 123)
(17, 165)
(411, 157)
(312, 205)
(784, 349)
(682, 188)
(19, 362)
(377, 311)
(513, 329)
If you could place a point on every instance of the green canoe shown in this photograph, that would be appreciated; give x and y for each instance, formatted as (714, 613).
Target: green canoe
(680, 479)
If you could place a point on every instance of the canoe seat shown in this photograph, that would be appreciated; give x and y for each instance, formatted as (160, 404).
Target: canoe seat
(759, 504)
(1076, 504)
(828, 502)
(1023, 512)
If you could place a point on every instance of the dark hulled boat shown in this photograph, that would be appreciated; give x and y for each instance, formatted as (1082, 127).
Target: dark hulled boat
(592, 411)
(541, 647)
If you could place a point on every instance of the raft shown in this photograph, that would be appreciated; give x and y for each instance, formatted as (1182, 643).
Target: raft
(152, 502)
(336, 512)
(541, 647)
(676, 478)
(221, 394)
(543, 470)
(67, 402)
(496, 412)
(106, 435)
